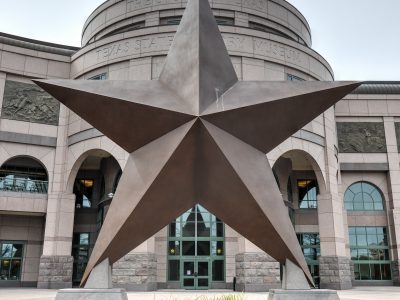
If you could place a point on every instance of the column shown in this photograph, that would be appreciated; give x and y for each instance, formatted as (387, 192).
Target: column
(56, 262)
(256, 271)
(137, 271)
(393, 210)
(334, 264)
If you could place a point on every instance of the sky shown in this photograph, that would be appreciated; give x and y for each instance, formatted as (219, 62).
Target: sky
(359, 38)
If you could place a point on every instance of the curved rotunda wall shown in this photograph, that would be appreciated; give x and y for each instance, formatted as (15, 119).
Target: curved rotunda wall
(264, 31)
(267, 40)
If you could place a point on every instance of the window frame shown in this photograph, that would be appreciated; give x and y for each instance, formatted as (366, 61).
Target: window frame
(347, 204)
(363, 233)
(20, 258)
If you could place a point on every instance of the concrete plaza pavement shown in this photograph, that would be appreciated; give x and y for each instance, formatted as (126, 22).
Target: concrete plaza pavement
(359, 293)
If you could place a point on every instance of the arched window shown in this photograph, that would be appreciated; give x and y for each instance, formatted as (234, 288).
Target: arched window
(23, 174)
(363, 196)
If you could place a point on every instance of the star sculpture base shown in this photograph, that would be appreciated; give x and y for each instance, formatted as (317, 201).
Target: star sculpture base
(197, 135)
(303, 295)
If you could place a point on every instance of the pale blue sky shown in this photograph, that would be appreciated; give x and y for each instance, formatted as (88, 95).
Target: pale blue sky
(359, 38)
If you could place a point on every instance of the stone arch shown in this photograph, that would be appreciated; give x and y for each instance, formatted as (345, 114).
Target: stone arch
(311, 159)
(27, 157)
(72, 173)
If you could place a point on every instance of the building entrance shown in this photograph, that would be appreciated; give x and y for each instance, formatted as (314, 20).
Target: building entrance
(196, 274)
(196, 252)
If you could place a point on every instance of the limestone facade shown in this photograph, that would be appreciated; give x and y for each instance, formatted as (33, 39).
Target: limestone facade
(128, 40)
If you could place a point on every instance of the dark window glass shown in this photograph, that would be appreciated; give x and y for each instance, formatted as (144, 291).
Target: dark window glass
(174, 248)
(202, 282)
(188, 282)
(188, 248)
(310, 244)
(202, 268)
(80, 252)
(173, 270)
(218, 270)
(83, 189)
(102, 76)
(363, 196)
(203, 248)
(10, 260)
(308, 190)
(196, 233)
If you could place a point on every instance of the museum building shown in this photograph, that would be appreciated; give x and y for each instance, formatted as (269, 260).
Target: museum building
(339, 176)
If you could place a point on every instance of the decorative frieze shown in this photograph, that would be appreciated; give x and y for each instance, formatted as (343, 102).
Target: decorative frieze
(361, 137)
(29, 103)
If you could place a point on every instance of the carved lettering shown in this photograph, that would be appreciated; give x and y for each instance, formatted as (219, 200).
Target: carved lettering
(235, 43)
(140, 4)
(134, 46)
(276, 50)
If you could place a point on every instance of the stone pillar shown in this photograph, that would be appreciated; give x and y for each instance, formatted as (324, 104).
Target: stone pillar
(56, 262)
(137, 271)
(334, 262)
(256, 271)
(393, 210)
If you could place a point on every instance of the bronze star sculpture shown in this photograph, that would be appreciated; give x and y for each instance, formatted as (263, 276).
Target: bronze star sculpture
(197, 135)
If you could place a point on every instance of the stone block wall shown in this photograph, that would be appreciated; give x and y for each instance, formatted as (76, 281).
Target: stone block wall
(335, 273)
(396, 272)
(55, 272)
(136, 272)
(256, 272)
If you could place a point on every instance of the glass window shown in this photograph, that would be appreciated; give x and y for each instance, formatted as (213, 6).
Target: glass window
(83, 189)
(24, 175)
(291, 77)
(370, 253)
(308, 190)
(173, 270)
(80, 252)
(102, 76)
(310, 244)
(363, 196)
(11, 260)
(218, 270)
(196, 233)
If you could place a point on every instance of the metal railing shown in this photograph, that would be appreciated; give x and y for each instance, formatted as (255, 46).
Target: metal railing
(23, 185)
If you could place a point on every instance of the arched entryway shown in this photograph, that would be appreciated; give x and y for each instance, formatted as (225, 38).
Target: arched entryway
(94, 185)
(301, 181)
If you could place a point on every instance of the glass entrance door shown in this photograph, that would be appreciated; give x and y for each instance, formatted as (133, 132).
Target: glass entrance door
(196, 254)
(196, 274)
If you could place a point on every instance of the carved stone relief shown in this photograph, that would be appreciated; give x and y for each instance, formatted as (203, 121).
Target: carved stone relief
(361, 137)
(29, 103)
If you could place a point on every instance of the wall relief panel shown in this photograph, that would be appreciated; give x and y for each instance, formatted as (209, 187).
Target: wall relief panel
(29, 103)
(361, 137)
